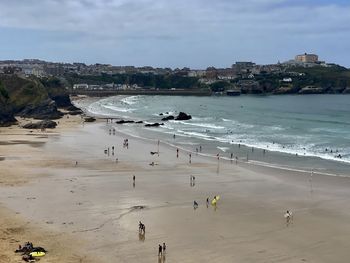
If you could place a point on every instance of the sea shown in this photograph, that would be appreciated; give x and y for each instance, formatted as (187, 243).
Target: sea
(296, 132)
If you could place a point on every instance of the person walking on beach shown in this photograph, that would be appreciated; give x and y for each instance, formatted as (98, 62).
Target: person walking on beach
(195, 204)
(288, 217)
(160, 248)
(177, 152)
(190, 158)
(140, 225)
(207, 202)
(200, 148)
(164, 248)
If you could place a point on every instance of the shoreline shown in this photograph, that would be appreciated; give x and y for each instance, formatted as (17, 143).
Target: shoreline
(287, 158)
(93, 207)
(240, 161)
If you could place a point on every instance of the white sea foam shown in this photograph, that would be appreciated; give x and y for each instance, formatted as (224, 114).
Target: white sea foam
(204, 125)
(130, 100)
(115, 108)
(223, 149)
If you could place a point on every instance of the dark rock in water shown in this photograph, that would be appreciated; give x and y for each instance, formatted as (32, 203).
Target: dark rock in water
(160, 114)
(124, 121)
(154, 124)
(45, 110)
(168, 118)
(183, 116)
(7, 119)
(62, 101)
(89, 119)
(45, 124)
(139, 122)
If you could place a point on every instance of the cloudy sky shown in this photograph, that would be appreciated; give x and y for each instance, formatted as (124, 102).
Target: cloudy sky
(174, 33)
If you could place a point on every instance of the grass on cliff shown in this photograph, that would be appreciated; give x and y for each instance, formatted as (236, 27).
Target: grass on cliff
(22, 92)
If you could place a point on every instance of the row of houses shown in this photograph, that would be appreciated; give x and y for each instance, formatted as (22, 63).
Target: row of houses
(111, 86)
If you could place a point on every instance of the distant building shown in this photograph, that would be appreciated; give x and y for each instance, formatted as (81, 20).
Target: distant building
(211, 73)
(243, 67)
(287, 80)
(196, 73)
(307, 58)
(80, 86)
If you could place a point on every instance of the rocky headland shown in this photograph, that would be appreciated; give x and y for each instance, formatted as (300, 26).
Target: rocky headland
(32, 98)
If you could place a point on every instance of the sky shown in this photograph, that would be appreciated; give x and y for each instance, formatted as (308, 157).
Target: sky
(174, 33)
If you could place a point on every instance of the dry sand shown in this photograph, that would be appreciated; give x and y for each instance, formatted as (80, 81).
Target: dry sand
(90, 212)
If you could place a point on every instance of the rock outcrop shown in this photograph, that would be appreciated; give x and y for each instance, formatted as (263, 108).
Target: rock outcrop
(124, 121)
(171, 117)
(183, 117)
(89, 119)
(47, 109)
(45, 124)
(7, 118)
(154, 124)
(62, 101)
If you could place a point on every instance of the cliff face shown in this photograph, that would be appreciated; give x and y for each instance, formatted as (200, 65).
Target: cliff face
(6, 114)
(26, 98)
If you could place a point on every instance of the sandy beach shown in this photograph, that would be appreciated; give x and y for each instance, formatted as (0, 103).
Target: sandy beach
(89, 212)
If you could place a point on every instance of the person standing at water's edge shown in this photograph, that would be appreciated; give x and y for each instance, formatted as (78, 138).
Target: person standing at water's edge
(164, 248)
(160, 248)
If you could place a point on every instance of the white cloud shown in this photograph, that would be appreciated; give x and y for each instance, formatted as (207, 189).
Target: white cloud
(210, 23)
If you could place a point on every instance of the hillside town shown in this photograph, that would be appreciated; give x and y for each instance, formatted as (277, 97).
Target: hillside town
(241, 77)
(40, 68)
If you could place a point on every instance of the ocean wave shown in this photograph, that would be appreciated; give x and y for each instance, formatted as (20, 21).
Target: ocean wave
(196, 135)
(202, 118)
(223, 149)
(131, 100)
(203, 125)
(307, 150)
(115, 108)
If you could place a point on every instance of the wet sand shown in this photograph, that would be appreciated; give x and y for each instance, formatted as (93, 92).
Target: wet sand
(91, 211)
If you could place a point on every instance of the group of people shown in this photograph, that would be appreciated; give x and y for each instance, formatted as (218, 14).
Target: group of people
(215, 199)
(110, 131)
(192, 181)
(107, 151)
(161, 249)
(126, 143)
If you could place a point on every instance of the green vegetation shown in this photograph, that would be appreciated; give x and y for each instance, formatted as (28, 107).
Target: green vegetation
(54, 86)
(220, 86)
(4, 95)
(328, 78)
(21, 92)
